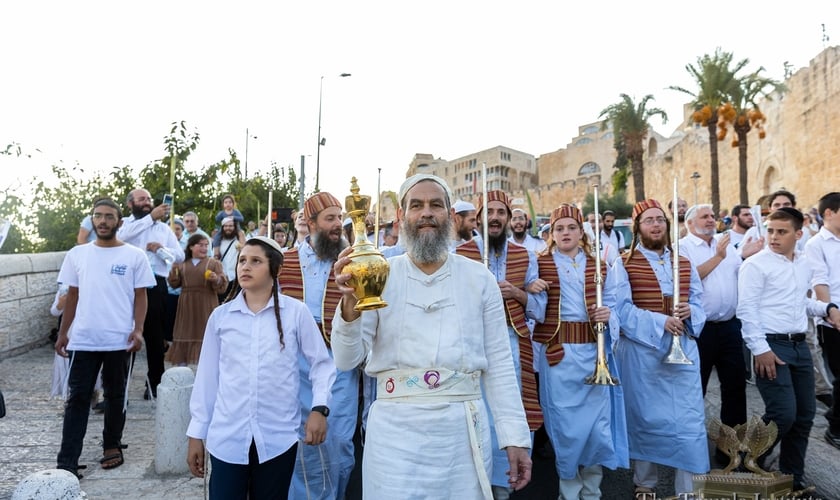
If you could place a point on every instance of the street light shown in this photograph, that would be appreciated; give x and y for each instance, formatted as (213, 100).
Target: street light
(695, 177)
(321, 140)
(248, 137)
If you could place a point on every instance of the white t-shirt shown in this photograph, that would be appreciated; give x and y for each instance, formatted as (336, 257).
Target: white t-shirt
(106, 278)
(229, 255)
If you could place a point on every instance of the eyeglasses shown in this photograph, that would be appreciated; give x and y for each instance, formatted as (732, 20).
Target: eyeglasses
(651, 220)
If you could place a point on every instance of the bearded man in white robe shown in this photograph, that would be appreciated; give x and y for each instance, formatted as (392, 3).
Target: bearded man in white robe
(441, 337)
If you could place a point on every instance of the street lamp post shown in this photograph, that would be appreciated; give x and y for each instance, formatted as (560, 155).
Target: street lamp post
(695, 177)
(321, 140)
(248, 137)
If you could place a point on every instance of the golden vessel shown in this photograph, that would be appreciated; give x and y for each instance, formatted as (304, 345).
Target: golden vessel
(368, 267)
(744, 443)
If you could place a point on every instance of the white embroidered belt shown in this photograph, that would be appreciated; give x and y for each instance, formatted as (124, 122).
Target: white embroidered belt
(438, 384)
(441, 385)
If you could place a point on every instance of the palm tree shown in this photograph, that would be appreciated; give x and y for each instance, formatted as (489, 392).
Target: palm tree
(744, 115)
(716, 82)
(630, 122)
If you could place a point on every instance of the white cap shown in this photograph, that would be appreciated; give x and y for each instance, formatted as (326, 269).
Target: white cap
(463, 206)
(348, 221)
(416, 178)
(226, 220)
(546, 227)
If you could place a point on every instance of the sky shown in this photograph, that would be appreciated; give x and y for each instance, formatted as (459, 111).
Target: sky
(98, 83)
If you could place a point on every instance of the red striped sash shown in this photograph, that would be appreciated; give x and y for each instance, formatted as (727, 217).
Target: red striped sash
(291, 284)
(554, 332)
(647, 294)
(515, 271)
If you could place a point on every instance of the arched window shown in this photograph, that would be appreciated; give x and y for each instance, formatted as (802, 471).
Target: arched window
(589, 167)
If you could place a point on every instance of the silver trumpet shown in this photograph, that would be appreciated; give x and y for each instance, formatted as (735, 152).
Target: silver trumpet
(601, 375)
(676, 356)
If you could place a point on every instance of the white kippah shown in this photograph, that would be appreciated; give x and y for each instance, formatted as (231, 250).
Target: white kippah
(417, 178)
(463, 206)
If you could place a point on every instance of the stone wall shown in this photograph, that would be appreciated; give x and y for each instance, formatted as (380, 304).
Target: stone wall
(27, 289)
(800, 153)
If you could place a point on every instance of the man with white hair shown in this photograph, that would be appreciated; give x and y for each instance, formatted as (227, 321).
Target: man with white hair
(441, 339)
(720, 344)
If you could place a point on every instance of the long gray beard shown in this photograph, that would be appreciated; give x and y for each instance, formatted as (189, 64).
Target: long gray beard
(426, 248)
(325, 248)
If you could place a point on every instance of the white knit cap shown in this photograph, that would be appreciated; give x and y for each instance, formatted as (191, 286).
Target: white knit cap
(417, 178)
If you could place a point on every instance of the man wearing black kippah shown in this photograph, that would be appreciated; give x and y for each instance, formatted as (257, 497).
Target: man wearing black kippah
(774, 307)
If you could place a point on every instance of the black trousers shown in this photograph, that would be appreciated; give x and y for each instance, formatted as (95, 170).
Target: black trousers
(267, 480)
(789, 401)
(154, 329)
(830, 343)
(83, 371)
(721, 347)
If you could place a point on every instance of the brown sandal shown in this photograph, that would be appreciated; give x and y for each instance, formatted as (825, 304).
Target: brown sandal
(112, 460)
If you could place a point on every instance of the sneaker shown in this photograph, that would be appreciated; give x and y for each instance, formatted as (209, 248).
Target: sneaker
(833, 439)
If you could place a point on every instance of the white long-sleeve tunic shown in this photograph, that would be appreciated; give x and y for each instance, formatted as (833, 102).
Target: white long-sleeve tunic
(452, 320)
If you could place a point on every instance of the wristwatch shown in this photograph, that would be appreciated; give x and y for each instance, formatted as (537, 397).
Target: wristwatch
(323, 410)
(829, 307)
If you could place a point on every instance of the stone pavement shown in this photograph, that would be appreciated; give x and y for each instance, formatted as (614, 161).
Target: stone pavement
(30, 435)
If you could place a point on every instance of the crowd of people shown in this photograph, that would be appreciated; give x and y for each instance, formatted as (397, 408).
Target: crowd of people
(482, 352)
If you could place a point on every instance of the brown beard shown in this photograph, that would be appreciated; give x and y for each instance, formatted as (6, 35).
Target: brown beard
(325, 248)
(228, 235)
(650, 244)
(464, 233)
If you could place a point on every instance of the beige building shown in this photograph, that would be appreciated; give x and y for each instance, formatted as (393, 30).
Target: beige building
(507, 169)
(801, 153)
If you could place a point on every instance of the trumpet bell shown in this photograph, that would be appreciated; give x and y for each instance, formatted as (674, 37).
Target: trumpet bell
(601, 376)
(676, 356)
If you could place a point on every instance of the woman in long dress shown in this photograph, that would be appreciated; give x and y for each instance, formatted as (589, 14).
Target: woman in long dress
(200, 279)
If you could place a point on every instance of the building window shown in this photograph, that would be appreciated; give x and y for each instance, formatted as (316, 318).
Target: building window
(589, 167)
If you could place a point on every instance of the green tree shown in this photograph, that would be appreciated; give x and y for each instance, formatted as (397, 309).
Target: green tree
(715, 76)
(744, 115)
(59, 209)
(617, 202)
(631, 124)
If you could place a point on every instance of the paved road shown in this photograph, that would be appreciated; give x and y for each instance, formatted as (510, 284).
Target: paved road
(31, 432)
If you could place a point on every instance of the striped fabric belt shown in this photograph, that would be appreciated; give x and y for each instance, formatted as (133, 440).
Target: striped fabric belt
(571, 332)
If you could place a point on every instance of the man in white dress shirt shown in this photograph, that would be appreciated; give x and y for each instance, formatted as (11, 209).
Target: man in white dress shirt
(773, 306)
(719, 343)
(145, 229)
(823, 253)
(441, 338)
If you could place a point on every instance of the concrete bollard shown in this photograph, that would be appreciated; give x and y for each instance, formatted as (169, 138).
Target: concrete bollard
(171, 420)
(50, 484)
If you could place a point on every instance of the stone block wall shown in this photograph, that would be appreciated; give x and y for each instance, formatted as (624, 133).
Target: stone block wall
(27, 289)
